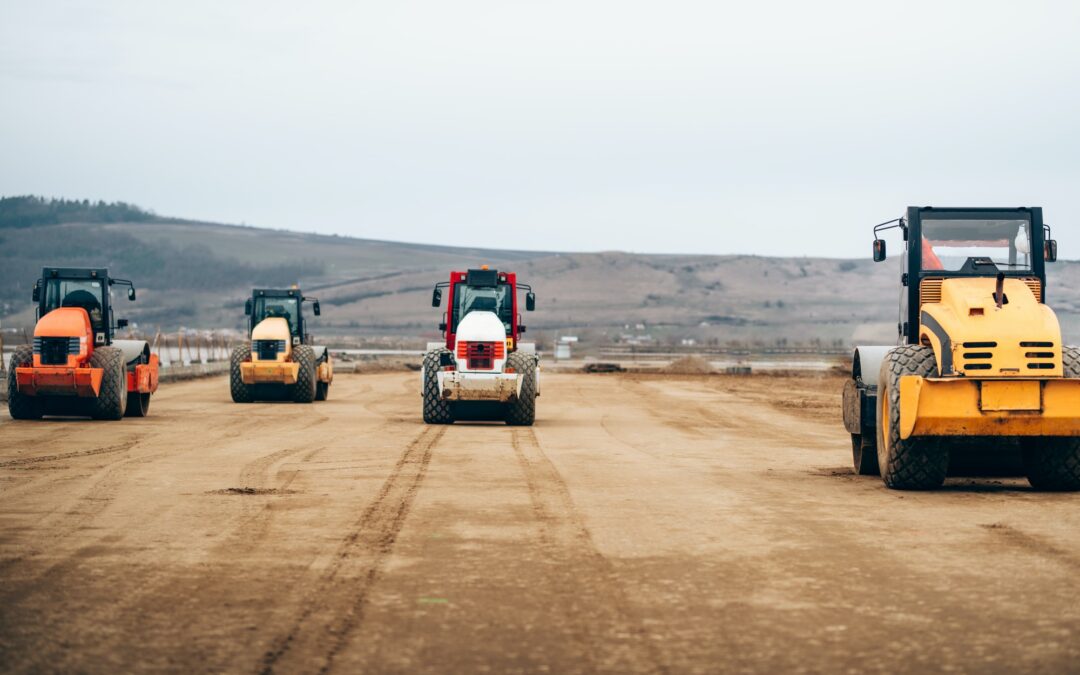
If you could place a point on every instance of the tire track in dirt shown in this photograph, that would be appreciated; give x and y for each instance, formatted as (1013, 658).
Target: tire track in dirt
(610, 429)
(610, 633)
(1032, 545)
(92, 503)
(120, 447)
(256, 513)
(336, 606)
(42, 473)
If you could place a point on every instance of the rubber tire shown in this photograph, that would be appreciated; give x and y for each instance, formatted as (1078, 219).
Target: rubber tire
(864, 455)
(241, 393)
(1053, 463)
(111, 402)
(521, 412)
(138, 405)
(306, 377)
(915, 463)
(21, 406)
(436, 409)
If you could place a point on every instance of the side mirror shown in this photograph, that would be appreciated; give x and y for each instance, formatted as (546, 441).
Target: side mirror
(121, 323)
(131, 293)
(317, 308)
(37, 292)
(530, 301)
(1050, 250)
(247, 307)
(879, 250)
(436, 298)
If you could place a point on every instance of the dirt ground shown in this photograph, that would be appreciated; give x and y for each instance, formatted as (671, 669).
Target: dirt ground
(645, 524)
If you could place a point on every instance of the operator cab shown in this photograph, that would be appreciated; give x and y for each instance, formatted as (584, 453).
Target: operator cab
(284, 304)
(483, 290)
(945, 243)
(88, 289)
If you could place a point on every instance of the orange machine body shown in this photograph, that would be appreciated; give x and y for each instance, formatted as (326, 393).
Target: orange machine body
(74, 376)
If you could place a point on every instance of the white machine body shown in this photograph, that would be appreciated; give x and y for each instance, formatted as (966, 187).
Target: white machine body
(480, 355)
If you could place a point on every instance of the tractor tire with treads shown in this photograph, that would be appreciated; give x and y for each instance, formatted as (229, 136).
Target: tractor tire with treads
(436, 408)
(521, 412)
(21, 406)
(306, 379)
(138, 404)
(864, 455)
(241, 393)
(913, 463)
(1054, 463)
(111, 402)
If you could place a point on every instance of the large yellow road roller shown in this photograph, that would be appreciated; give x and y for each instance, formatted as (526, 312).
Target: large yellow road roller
(980, 358)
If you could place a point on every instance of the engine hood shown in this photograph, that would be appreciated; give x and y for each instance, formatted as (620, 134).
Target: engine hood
(971, 335)
(64, 322)
(274, 328)
(481, 327)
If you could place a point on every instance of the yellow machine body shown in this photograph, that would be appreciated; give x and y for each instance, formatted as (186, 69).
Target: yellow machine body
(279, 370)
(1000, 366)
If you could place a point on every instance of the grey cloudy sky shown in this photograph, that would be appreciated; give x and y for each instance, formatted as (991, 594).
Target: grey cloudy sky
(719, 127)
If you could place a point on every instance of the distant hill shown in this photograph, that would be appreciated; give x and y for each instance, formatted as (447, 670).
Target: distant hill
(196, 274)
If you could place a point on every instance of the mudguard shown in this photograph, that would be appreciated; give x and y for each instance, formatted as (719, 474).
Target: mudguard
(860, 392)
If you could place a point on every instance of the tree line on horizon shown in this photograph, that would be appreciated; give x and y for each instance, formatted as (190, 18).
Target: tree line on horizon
(31, 210)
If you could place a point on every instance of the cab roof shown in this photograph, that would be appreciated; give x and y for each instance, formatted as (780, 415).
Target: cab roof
(74, 273)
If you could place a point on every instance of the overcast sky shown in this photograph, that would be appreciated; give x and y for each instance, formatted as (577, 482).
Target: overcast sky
(743, 127)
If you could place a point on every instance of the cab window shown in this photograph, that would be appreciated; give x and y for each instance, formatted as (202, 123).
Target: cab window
(284, 308)
(947, 244)
(84, 293)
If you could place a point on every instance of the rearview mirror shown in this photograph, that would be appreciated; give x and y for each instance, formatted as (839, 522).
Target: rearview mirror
(879, 250)
(530, 301)
(436, 298)
(131, 292)
(317, 308)
(37, 292)
(247, 307)
(1050, 250)
(121, 323)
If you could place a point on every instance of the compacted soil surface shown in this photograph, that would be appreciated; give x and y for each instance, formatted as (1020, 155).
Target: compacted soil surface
(644, 524)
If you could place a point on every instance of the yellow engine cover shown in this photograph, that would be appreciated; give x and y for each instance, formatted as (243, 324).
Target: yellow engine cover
(972, 336)
(274, 328)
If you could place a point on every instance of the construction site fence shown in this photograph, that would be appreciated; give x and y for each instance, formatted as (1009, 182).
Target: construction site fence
(173, 349)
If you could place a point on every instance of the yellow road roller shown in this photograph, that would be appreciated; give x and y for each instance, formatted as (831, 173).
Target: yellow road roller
(281, 361)
(980, 359)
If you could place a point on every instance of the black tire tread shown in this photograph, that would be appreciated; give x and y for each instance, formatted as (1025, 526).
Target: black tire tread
(304, 389)
(521, 412)
(437, 410)
(21, 406)
(241, 393)
(915, 463)
(111, 402)
(1053, 464)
